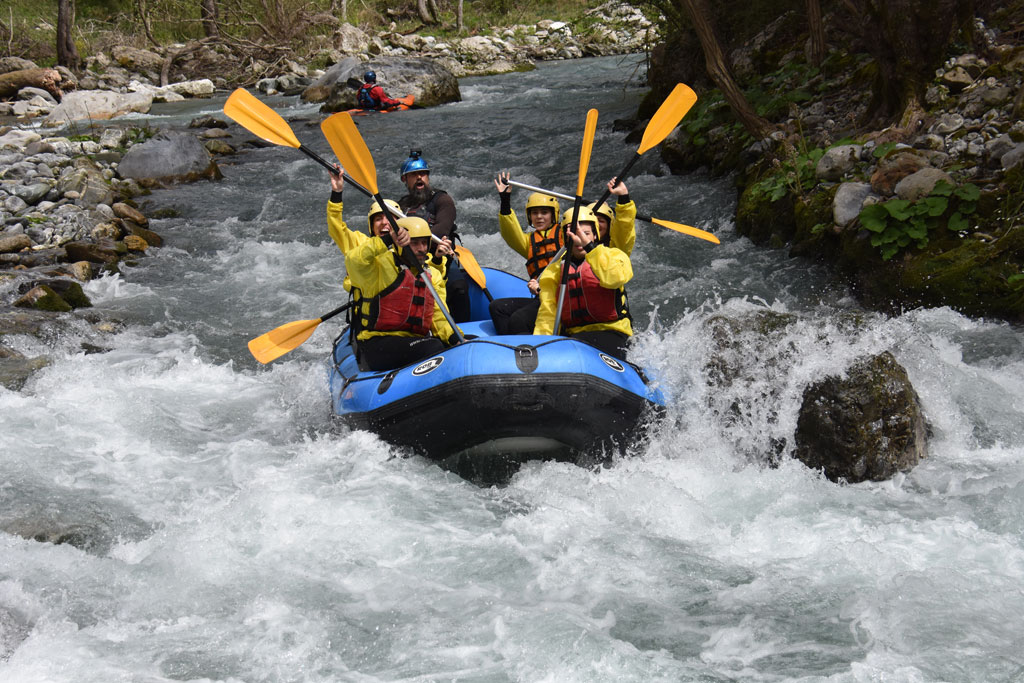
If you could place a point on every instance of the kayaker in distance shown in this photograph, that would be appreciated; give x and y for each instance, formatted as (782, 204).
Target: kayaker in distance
(595, 308)
(396, 321)
(518, 315)
(371, 95)
(437, 208)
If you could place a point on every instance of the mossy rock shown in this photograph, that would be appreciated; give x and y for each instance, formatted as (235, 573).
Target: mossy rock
(43, 298)
(973, 278)
(761, 219)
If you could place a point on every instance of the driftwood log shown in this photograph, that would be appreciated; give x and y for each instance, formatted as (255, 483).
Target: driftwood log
(47, 79)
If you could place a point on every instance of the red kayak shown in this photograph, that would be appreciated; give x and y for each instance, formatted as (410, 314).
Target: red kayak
(406, 103)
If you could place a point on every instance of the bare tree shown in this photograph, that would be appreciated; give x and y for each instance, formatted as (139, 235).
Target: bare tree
(459, 23)
(816, 27)
(424, 11)
(67, 53)
(142, 9)
(208, 12)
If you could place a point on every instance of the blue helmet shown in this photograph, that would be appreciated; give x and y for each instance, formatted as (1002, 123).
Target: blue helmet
(370, 77)
(414, 163)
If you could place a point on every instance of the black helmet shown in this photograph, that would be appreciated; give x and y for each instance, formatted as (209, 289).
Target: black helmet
(370, 77)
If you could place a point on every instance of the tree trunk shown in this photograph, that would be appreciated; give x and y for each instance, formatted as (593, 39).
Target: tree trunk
(908, 40)
(208, 13)
(434, 11)
(718, 70)
(142, 8)
(424, 12)
(459, 24)
(816, 28)
(47, 79)
(67, 53)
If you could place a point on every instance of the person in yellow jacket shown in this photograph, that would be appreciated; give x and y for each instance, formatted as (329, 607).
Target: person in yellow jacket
(516, 315)
(397, 319)
(595, 309)
(617, 226)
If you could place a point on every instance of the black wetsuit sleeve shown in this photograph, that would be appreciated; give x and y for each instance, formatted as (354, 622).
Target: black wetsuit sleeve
(336, 197)
(506, 203)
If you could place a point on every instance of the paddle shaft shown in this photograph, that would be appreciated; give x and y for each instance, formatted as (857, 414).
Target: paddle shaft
(417, 269)
(336, 311)
(618, 179)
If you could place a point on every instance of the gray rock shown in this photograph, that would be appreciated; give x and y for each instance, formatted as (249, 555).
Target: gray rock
(838, 161)
(94, 105)
(867, 425)
(848, 202)
(920, 184)
(169, 156)
(14, 204)
(948, 123)
(32, 193)
(1013, 158)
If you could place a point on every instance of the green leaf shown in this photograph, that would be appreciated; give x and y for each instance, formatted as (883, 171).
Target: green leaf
(957, 223)
(1015, 278)
(888, 251)
(903, 241)
(883, 149)
(968, 192)
(942, 189)
(874, 217)
(967, 207)
(898, 209)
(917, 230)
(935, 206)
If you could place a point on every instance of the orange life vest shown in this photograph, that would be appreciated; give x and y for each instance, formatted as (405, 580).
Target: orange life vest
(544, 244)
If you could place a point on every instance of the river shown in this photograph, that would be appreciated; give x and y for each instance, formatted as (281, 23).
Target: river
(236, 535)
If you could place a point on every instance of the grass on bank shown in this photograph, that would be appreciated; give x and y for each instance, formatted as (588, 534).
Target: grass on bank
(28, 27)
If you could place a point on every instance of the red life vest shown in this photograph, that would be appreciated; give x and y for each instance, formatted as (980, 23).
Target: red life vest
(544, 244)
(405, 305)
(587, 302)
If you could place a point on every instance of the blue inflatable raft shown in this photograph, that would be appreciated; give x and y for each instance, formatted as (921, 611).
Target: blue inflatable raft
(483, 407)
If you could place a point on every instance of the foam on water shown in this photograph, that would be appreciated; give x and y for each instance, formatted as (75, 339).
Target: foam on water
(218, 527)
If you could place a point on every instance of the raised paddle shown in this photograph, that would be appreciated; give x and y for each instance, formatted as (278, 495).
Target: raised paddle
(678, 227)
(265, 123)
(350, 148)
(589, 130)
(287, 337)
(664, 121)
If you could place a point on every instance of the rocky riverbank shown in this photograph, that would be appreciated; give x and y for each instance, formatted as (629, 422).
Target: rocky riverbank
(923, 214)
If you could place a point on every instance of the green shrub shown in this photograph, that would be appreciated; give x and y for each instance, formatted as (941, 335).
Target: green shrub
(898, 223)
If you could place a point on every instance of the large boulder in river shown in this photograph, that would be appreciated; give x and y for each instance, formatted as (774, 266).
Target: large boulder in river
(339, 72)
(865, 426)
(96, 105)
(427, 79)
(169, 156)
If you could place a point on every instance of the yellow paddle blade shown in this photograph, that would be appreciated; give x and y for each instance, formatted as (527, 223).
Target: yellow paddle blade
(588, 143)
(471, 267)
(259, 119)
(668, 116)
(687, 230)
(350, 148)
(281, 340)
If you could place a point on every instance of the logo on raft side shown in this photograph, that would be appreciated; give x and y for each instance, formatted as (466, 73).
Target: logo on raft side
(428, 366)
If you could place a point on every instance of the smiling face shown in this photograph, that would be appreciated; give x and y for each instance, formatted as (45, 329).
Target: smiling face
(379, 224)
(541, 217)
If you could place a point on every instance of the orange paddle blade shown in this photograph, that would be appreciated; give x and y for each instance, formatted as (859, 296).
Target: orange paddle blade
(350, 148)
(259, 119)
(668, 116)
(281, 340)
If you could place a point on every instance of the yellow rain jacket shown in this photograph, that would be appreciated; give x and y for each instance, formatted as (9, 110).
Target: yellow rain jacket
(371, 269)
(613, 270)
